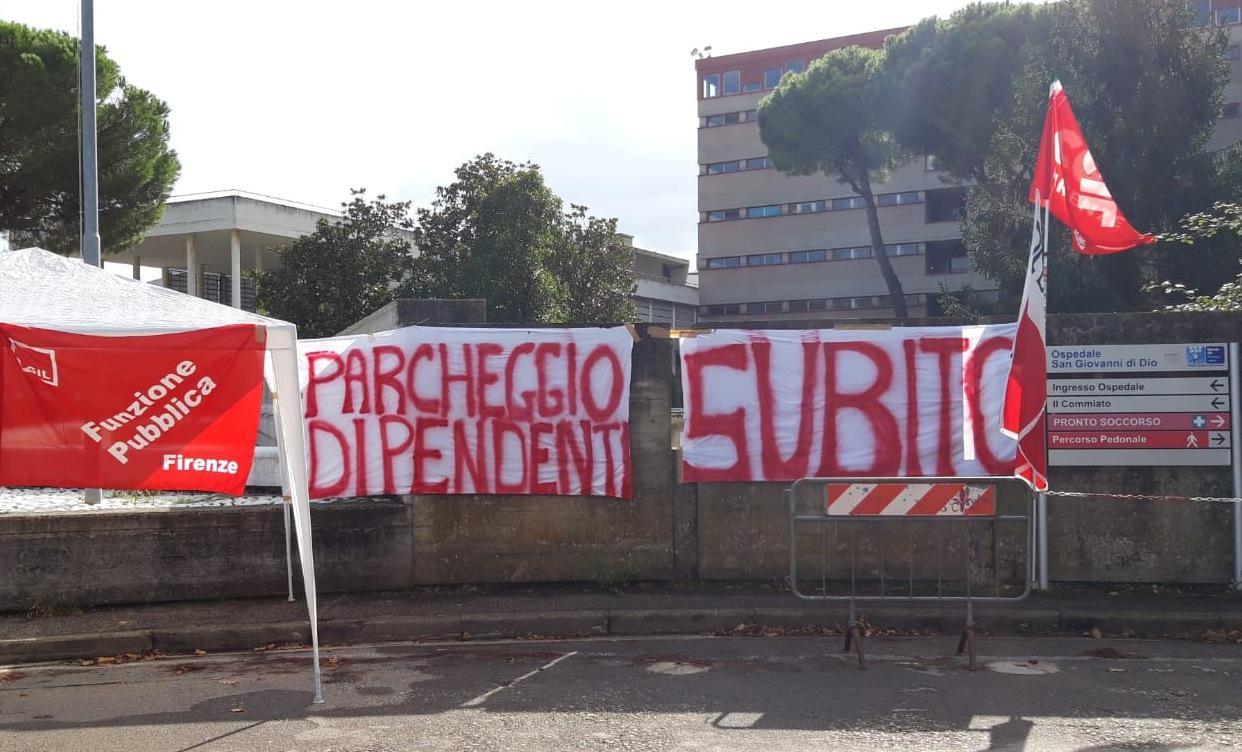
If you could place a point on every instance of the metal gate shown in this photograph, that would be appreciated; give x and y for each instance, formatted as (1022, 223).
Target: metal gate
(956, 509)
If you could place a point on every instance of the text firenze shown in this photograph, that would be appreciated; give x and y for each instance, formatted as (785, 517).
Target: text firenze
(148, 419)
(906, 408)
(473, 417)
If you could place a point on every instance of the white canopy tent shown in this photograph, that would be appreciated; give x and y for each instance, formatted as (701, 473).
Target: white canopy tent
(44, 290)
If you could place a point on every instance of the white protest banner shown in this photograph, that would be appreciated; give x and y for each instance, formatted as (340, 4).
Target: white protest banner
(788, 404)
(469, 410)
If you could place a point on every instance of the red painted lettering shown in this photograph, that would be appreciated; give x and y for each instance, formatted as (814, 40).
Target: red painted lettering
(700, 423)
(974, 386)
(356, 375)
(389, 450)
(539, 456)
(317, 377)
(421, 404)
(523, 409)
(886, 457)
(463, 459)
(615, 388)
(551, 401)
(581, 457)
(422, 454)
(501, 428)
(486, 378)
(387, 377)
(914, 464)
(318, 488)
(448, 378)
(775, 466)
(946, 349)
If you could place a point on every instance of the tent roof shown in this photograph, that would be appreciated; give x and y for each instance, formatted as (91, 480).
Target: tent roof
(42, 289)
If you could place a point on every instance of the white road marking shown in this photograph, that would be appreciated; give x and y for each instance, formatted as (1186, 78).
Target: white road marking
(476, 701)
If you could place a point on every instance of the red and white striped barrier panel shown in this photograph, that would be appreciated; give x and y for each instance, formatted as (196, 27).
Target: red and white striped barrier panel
(910, 499)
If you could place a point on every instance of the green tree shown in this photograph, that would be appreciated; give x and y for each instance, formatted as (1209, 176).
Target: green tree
(343, 271)
(1222, 222)
(39, 180)
(498, 232)
(1146, 86)
(833, 119)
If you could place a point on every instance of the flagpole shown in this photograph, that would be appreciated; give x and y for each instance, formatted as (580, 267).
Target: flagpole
(90, 160)
(1042, 509)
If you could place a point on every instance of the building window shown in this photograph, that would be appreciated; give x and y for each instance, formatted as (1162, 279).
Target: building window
(914, 299)
(772, 306)
(755, 212)
(793, 66)
(752, 86)
(947, 257)
(894, 199)
(764, 259)
(732, 82)
(718, 168)
(945, 205)
(807, 257)
(1231, 111)
(852, 202)
(750, 116)
(1202, 12)
(724, 262)
(758, 163)
(1228, 16)
(929, 163)
(810, 207)
(711, 85)
(772, 78)
(902, 249)
(728, 118)
(849, 254)
(723, 214)
(1232, 52)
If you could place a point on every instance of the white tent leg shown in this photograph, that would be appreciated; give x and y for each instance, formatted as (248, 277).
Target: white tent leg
(292, 440)
(284, 480)
(288, 549)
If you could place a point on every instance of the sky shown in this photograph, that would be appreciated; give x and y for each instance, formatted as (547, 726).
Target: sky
(304, 100)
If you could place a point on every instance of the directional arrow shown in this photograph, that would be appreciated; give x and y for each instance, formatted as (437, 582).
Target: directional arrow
(1218, 438)
(1218, 403)
(1218, 421)
(1216, 385)
(1192, 442)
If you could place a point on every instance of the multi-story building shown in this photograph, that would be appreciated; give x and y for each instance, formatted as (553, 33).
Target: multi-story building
(665, 290)
(223, 235)
(778, 246)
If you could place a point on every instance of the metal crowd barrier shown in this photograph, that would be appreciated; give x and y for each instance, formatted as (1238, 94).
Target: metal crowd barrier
(846, 521)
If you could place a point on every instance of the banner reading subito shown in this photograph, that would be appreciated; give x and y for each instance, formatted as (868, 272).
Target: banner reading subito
(469, 411)
(151, 412)
(789, 404)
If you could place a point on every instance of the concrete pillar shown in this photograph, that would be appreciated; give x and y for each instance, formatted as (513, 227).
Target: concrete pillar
(191, 265)
(235, 270)
(137, 273)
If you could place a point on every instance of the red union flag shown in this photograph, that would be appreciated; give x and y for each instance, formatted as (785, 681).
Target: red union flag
(157, 412)
(1069, 183)
(1026, 388)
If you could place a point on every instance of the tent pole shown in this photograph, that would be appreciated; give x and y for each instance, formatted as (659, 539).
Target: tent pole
(288, 546)
(284, 487)
(292, 438)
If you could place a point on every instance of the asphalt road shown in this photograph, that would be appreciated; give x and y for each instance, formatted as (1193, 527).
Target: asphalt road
(736, 694)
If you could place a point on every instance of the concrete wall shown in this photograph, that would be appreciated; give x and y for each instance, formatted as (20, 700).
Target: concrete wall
(668, 531)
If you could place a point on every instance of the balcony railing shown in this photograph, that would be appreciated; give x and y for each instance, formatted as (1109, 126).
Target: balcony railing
(217, 288)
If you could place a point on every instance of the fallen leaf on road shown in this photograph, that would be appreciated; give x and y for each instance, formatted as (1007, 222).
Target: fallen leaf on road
(237, 710)
(229, 682)
(200, 652)
(105, 660)
(1117, 670)
(1095, 633)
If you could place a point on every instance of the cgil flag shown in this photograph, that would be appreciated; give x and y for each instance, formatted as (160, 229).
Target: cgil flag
(1069, 183)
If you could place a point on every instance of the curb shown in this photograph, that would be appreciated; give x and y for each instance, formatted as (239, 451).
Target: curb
(620, 622)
